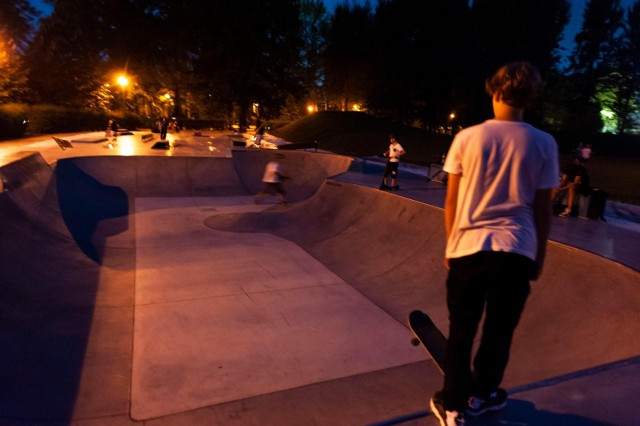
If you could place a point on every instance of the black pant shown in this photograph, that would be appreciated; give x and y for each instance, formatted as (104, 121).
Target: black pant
(497, 281)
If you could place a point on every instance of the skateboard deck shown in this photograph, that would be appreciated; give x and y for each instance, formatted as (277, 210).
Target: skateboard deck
(429, 336)
(62, 143)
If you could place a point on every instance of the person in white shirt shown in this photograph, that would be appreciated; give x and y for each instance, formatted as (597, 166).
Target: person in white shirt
(272, 180)
(393, 154)
(497, 219)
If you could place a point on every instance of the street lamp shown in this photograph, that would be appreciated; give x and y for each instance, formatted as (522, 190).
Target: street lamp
(450, 127)
(123, 81)
(167, 103)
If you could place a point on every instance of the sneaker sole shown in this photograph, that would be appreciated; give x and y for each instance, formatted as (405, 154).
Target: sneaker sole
(486, 410)
(434, 410)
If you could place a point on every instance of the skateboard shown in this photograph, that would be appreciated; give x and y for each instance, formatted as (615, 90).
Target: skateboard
(426, 333)
(62, 143)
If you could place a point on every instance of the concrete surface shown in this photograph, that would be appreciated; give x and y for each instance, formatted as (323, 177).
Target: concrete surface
(140, 286)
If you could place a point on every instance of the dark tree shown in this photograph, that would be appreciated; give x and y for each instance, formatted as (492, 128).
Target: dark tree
(67, 52)
(348, 55)
(517, 30)
(17, 19)
(591, 61)
(315, 21)
(419, 48)
(16, 26)
(619, 88)
(250, 54)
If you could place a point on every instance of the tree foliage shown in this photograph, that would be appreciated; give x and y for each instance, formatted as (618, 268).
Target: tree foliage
(413, 61)
(593, 61)
(621, 83)
(13, 78)
(348, 55)
(16, 26)
(17, 18)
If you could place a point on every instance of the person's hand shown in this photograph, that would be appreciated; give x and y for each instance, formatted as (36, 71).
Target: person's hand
(446, 263)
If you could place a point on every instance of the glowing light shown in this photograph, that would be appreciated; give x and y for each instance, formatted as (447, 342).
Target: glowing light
(310, 108)
(452, 116)
(356, 107)
(122, 80)
(607, 113)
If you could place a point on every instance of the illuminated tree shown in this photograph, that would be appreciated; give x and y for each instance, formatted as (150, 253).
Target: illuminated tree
(16, 22)
(623, 83)
(13, 78)
(593, 62)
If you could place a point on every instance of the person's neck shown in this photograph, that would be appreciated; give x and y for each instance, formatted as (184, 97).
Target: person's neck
(510, 114)
(505, 112)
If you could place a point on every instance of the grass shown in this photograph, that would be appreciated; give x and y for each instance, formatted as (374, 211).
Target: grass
(359, 134)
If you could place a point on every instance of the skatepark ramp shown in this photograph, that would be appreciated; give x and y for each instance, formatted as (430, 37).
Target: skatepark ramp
(581, 313)
(68, 255)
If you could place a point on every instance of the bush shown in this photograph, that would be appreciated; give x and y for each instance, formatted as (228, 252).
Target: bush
(13, 122)
(18, 120)
(45, 119)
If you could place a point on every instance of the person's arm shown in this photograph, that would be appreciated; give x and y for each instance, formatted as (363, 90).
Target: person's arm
(451, 206)
(542, 209)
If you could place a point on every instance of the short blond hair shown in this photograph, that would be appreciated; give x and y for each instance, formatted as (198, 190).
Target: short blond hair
(518, 83)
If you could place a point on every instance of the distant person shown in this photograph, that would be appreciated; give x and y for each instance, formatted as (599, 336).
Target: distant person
(497, 219)
(574, 181)
(272, 180)
(107, 132)
(393, 154)
(585, 153)
(114, 129)
(259, 135)
(164, 126)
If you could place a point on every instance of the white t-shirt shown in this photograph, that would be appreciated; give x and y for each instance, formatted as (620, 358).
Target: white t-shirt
(394, 152)
(271, 172)
(502, 164)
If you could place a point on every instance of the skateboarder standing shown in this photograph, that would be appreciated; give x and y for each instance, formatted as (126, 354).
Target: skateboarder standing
(164, 126)
(393, 154)
(272, 180)
(497, 218)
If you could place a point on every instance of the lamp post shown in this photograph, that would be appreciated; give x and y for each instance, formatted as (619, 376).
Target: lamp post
(452, 116)
(167, 100)
(123, 81)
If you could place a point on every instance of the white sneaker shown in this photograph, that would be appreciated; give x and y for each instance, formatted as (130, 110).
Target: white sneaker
(446, 418)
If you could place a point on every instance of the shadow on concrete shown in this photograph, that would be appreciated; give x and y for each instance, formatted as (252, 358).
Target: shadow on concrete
(85, 203)
(525, 413)
(47, 299)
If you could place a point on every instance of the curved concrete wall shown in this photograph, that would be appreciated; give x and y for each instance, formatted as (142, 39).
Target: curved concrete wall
(57, 223)
(101, 188)
(206, 176)
(582, 313)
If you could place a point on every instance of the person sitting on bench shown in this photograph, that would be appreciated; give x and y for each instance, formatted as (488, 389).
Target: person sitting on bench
(574, 181)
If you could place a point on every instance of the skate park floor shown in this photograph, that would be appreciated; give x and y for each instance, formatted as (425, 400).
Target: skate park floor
(252, 329)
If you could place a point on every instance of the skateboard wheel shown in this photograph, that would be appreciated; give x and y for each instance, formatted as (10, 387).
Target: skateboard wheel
(415, 341)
